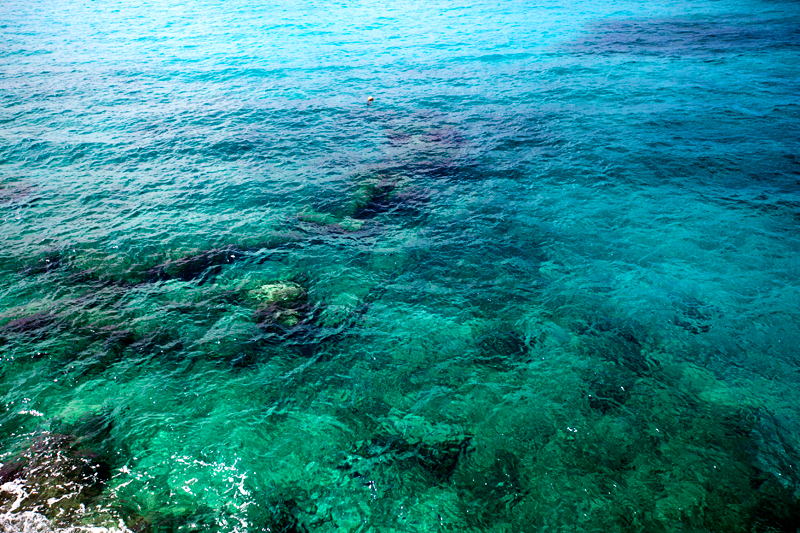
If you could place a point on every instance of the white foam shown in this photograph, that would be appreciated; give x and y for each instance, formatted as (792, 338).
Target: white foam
(30, 522)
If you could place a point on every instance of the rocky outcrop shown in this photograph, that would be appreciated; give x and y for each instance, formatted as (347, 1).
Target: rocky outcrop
(30, 522)
(54, 476)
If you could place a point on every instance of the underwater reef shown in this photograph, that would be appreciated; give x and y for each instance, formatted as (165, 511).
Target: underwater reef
(399, 267)
(379, 399)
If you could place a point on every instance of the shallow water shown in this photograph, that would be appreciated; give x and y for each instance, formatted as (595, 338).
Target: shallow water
(546, 281)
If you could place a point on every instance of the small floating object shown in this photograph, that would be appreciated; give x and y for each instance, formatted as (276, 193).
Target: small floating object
(370, 99)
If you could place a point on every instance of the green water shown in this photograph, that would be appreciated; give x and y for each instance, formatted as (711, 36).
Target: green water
(546, 281)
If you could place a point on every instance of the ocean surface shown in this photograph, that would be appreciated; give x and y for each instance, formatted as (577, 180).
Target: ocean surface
(547, 280)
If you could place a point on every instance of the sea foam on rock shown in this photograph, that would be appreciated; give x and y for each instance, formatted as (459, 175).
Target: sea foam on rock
(30, 522)
(56, 476)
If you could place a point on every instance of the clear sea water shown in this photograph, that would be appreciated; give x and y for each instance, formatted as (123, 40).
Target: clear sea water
(547, 280)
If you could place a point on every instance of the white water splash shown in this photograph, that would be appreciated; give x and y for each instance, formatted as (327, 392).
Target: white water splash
(30, 522)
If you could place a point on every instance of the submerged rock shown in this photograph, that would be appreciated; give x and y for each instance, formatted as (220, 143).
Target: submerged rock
(438, 458)
(281, 303)
(32, 327)
(492, 486)
(384, 194)
(384, 191)
(19, 194)
(178, 518)
(48, 261)
(283, 516)
(695, 316)
(621, 342)
(114, 337)
(201, 265)
(327, 223)
(283, 316)
(28, 324)
(502, 349)
(609, 389)
(373, 197)
(280, 291)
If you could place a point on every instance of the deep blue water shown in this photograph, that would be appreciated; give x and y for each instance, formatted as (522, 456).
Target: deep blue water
(547, 280)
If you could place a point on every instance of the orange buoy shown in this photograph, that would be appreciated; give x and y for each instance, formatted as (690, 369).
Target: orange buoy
(370, 99)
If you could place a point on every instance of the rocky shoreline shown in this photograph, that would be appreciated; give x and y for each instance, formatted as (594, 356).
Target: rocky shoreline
(30, 522)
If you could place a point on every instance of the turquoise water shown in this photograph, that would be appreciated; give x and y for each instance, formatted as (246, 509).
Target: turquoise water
(547, 280)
